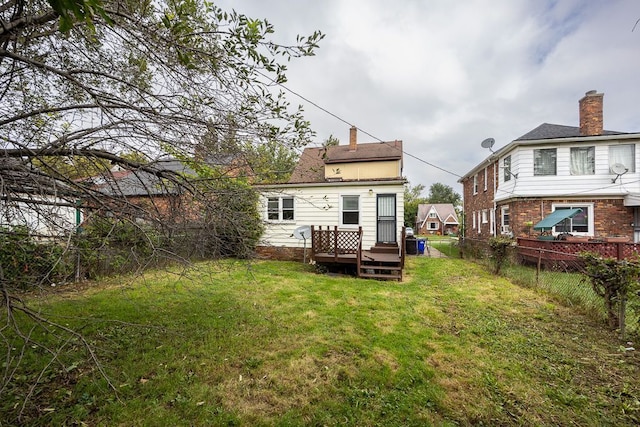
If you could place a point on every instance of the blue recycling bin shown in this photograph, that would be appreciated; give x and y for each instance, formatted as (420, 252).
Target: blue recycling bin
(421, 246)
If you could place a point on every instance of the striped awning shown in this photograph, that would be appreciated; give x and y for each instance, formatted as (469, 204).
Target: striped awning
(555, 217)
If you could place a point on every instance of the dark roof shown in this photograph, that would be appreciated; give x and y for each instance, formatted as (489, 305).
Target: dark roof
(551, 131)
(310, 167)
(364, 152)
(141, 182)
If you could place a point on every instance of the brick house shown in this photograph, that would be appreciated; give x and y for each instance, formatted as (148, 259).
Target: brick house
(437, 218)
(555, 167)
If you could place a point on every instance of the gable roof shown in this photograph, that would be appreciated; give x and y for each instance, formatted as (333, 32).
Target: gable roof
(551, 131)
(310, 167)
(446, 212)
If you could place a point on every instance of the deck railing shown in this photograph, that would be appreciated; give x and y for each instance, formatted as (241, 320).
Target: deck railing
(556, 249)
(336, 242)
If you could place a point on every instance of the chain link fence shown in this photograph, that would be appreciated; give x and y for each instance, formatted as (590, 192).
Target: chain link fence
(559, 273)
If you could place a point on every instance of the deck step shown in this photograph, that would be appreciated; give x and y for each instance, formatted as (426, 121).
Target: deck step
(380, 267)
(385, 249)
(380, 276)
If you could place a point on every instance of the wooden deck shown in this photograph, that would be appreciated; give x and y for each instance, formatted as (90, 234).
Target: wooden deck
(331, 246)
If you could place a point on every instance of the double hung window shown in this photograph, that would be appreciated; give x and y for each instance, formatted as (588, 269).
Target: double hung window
(350, 210)
(544, 161)
(582, 160)
(624, 154)
(280, 209)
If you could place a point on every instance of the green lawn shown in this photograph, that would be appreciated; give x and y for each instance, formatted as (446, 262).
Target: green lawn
(273, 343)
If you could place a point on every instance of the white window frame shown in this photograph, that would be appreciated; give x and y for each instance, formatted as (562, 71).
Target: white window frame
(629, 164)
(342, 211)
(576, 168)
(433, 215)
(590, 217)
(506, 168)
(505, 213)
(486, 177)
(473, 217)
(475, 184)
(433, 225)
(280, 209)
(539, 171)
(485, 216)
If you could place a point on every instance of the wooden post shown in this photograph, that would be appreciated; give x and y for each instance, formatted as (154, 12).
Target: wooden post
(335, 243)
(538, 266)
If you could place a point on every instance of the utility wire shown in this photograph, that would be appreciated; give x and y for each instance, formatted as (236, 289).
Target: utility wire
(361, 130)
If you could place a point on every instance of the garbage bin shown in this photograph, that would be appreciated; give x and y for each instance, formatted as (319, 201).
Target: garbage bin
(421, 246)
(411, 246)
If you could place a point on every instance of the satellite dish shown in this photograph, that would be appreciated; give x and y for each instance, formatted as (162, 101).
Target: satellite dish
(619, 169)
(488, 143)
(302, 233)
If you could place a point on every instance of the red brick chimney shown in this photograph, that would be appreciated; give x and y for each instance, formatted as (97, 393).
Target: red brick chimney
(353, 138)
(591, 114)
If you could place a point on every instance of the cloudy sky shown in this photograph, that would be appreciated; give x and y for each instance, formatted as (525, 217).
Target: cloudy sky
(442, 76)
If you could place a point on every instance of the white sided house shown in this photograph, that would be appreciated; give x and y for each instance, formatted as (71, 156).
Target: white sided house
(559, 168)
(344, 188)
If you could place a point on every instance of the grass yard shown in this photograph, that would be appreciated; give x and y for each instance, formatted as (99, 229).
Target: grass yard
(273, 343)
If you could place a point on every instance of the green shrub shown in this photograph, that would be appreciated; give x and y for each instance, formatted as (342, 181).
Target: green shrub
(25, 262)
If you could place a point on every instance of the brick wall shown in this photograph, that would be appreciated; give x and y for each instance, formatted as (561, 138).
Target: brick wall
(481, 201)
(282, 253)
(611, 217)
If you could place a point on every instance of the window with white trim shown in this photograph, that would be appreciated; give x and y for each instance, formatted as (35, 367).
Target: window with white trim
(506, 168)
(350, 214)
(624, 154)
(433, 215)
(475, 184)
(582, 160)
(473, 217)
(544, 161)
(280, 209)
(432, 226)
(505, 219)
(486, 178)
(485, 216)
(580, 224)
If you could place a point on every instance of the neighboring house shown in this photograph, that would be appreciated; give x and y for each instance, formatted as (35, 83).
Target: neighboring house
(344, 186)
(553, 168)
(154, 193)
(438, 218)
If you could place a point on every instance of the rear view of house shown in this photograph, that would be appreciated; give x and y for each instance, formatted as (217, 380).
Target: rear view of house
(346, 188)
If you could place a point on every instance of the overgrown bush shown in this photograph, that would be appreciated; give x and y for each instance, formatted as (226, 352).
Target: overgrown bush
(109, 246)
(25, 262)
(616, 281)
(499, 247)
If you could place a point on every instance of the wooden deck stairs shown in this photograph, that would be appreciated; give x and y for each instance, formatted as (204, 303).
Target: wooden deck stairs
(383, 261)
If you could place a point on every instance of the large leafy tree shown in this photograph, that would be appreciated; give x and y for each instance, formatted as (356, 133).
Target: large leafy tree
(441, 193)
(412, 198)
(94, 84)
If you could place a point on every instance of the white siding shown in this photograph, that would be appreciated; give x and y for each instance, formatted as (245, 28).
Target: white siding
(563, 183)
(320, 206)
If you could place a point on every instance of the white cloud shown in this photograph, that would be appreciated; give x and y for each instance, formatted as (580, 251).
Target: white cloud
(443, 75)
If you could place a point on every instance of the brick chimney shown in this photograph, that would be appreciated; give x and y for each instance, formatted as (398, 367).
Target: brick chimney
(353, 138)
(591, 114)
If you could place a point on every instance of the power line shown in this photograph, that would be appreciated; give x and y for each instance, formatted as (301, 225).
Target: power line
(361, 130)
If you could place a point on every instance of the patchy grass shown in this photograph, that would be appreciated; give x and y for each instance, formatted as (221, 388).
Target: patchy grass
(273, 343)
